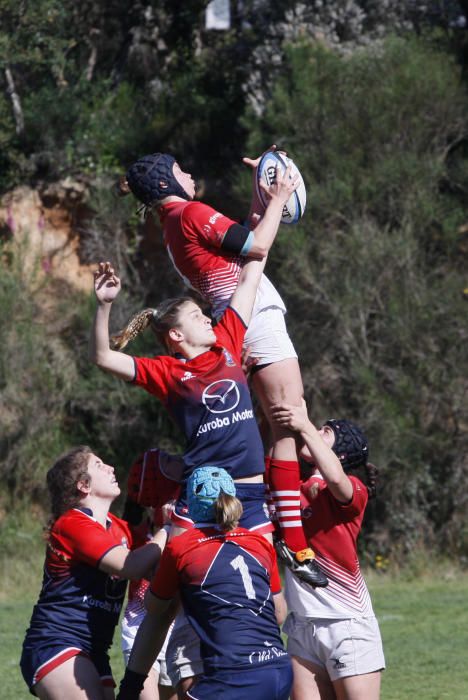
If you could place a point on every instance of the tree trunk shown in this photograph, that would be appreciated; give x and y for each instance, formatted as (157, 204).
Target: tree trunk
(15, 101)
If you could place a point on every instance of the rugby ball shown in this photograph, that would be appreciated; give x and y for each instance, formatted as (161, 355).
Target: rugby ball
(266, 172)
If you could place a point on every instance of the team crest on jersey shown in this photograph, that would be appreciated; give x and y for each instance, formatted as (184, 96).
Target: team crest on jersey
(306, 512)
(187, 376)
(229, 358)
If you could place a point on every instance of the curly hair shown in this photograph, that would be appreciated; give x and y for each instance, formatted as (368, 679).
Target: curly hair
(63, 478)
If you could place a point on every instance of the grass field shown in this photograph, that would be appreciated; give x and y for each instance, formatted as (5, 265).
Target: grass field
(424, 625)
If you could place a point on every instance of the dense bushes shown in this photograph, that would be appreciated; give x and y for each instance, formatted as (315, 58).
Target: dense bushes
(373, 276)
(51, 396)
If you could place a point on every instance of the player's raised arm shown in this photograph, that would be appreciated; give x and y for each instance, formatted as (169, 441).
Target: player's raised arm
(279, 192)
(263, 233)
(106, 288)
(256, 206)
(295, 418)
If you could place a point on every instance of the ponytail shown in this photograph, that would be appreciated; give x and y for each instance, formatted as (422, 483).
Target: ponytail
(372, 474)
(228, 511)
(134, 327)
(160, 320)
(121, 187)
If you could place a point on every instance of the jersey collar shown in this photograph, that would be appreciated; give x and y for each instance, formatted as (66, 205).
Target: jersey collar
(89, 512)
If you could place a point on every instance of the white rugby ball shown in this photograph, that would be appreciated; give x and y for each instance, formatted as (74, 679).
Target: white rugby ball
(266, 171)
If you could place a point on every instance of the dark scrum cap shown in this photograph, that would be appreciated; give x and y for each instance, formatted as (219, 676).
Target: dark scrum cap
(350, 446)
(151, 178)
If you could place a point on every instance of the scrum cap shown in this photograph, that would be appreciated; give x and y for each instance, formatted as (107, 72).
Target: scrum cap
(203, 488)
(147, 485)
(350, 446)
(152, 178)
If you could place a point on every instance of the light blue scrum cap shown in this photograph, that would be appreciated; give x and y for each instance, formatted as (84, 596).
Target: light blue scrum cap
(203, 488)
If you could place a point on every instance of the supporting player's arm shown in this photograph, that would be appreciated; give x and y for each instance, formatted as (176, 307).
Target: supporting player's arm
(147, 645)
(295, 418)
(139, 563)
(281, 609)
(152, 633)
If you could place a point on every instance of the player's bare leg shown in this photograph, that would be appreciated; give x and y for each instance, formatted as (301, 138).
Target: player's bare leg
(367, 685)
(281, 382)
(75, 679)
(311, 682)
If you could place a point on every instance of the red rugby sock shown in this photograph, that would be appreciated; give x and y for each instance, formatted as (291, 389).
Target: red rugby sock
(284, 488)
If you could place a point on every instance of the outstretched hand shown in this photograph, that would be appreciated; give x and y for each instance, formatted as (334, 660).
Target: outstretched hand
(293, 417)
(257, 207)
(283, 185)
(253, 162)
(106, 283)
(248, 362)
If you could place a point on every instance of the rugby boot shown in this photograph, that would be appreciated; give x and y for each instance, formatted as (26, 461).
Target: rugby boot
(302, 564)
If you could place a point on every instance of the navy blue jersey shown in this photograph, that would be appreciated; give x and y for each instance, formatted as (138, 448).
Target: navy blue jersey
(79, 605)
(226, 581)
(209, 399)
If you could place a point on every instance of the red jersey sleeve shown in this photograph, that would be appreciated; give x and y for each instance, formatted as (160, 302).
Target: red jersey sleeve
(352, 509)
(205, 223)
(151, 373)
(230, 333)
(359, 499)
(165, 582)
(85, 540)
(275, 579)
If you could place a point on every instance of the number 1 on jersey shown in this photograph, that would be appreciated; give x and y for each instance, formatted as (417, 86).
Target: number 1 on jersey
(239, 564)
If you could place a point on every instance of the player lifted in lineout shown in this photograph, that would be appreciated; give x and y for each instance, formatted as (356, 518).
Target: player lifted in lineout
(209, 251)
(201, 381)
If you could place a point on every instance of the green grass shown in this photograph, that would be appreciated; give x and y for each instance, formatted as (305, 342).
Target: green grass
(15, 615)
(424, 625)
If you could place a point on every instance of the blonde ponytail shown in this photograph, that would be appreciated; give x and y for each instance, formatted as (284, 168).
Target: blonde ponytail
(134, 327)
(228, 511)
(160, 320)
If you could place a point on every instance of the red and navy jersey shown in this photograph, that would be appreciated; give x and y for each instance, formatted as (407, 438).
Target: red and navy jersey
(209, 399)
(79, 605)
(226, 581)
(193, 235)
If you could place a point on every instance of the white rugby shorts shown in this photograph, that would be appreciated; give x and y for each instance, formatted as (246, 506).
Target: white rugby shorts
(268, 337)
(183, 659)
(128, 637)
(349, 647)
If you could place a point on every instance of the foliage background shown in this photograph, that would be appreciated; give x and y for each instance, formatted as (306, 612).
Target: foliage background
(371, 101)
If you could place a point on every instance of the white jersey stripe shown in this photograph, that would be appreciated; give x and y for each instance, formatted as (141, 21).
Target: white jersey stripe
(286, 493)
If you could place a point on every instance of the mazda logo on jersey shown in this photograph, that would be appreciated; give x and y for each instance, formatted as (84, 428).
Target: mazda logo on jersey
(221, 396)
